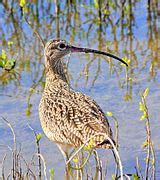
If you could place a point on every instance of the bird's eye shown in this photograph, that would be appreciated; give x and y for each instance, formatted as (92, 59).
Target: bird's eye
(61, 46)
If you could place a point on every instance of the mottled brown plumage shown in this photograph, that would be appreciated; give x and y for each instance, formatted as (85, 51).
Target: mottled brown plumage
(69, 118)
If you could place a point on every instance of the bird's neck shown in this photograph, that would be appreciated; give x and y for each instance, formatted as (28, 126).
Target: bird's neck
(55, 72)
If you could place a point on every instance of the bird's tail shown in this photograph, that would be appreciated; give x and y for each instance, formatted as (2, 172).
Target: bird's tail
(106, 144)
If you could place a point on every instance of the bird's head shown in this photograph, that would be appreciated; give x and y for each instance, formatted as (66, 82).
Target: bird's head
(55, 49)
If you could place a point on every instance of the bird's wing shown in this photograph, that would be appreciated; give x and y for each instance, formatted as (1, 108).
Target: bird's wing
(76, 117)
(94, 116)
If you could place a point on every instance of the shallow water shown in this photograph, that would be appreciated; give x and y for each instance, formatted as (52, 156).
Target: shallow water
(105, 83)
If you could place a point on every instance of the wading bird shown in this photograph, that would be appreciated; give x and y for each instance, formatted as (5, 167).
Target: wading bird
(69, 118)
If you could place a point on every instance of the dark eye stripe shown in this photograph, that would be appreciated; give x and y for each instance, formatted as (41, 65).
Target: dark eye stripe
(53, 47)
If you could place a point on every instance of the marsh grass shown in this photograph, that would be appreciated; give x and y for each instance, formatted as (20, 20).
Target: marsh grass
(80, 164)
(21, 169)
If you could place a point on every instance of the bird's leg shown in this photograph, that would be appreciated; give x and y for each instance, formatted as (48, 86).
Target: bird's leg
(98, 161)
(64, 152)
(116, 161)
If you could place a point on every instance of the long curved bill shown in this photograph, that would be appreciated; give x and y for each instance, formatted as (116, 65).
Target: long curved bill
(87, 50)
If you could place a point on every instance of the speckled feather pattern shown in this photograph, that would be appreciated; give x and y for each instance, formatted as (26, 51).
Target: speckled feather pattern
(68, 117)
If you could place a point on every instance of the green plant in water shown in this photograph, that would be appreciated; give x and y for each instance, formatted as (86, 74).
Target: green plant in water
(135, 176)
(148, 145)
(28, 110)
(90, 146)
(113, 177)
(110, 114)
(128, 96)
(22, 3)
(5, 63)
(38, 137)
(51, 171)
(143, 106)
(89, 149)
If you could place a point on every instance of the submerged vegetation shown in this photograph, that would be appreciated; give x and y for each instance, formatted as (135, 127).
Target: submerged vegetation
(111, 26)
